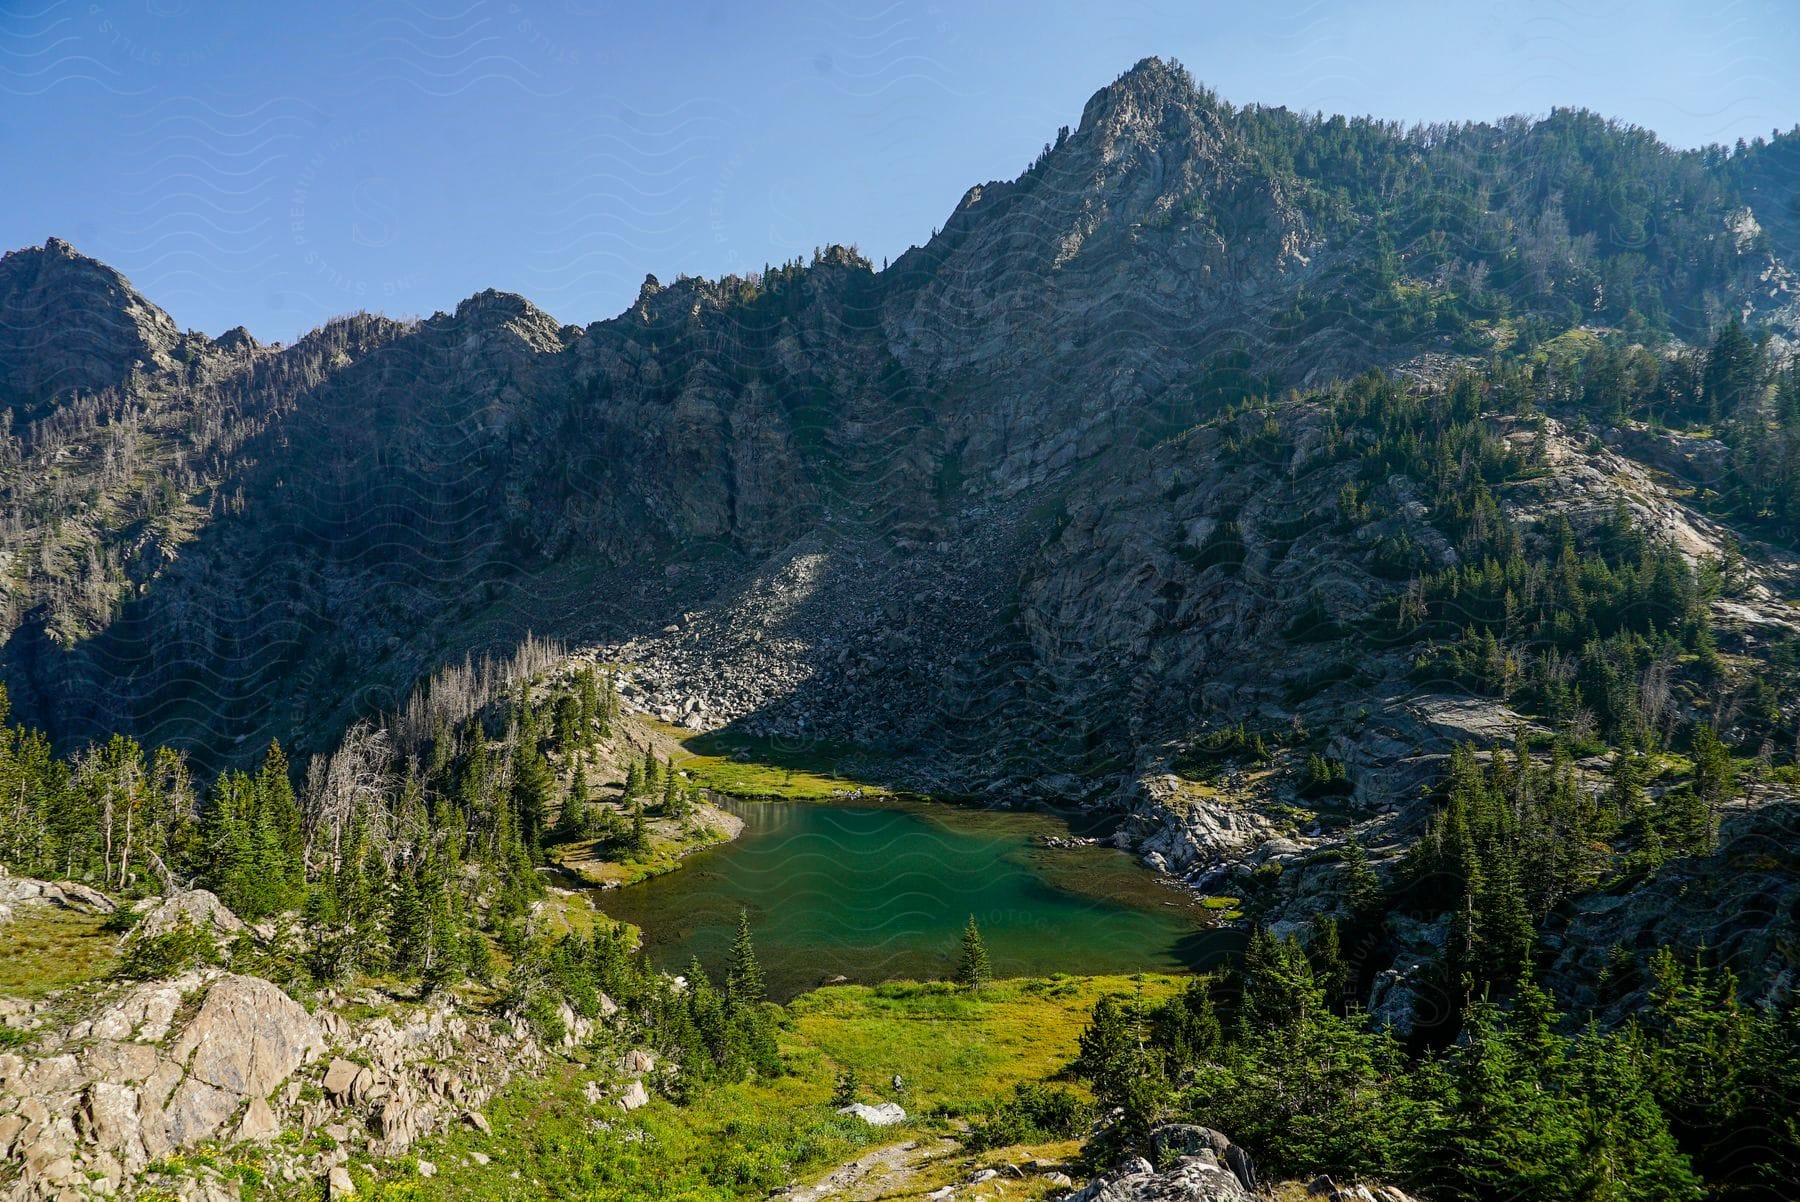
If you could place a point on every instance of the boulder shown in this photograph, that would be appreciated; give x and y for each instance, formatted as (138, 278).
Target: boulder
(635, 1095)
(885, 1115)
(258, 1124)
(75, 896)
(68, 895)
(248, 1037)
(338, 1183)
(339, 1076)
(1177, 1141)
(199, 907)
(1190, 1179)
(246, 1040)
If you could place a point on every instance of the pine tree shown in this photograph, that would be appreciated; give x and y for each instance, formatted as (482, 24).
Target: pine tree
(639, 845)
(574, 822)
(744, 981)
(972, 967)
(1362, 887)
(534, 792)
(570, 732)
(1279, 991)
(1105, 1047)
(589, 693)
(284, 823)
(1713, 777)
(1326, 952)
(1626, 1151)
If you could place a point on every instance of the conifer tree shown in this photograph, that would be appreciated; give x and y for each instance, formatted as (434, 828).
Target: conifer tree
(588, 691)
(745, 984)
(639, 840)
(1362, 887)
(1326, 952)
(972, 967)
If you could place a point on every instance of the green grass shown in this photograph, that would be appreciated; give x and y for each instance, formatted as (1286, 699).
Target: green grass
(750, 766)
(45, 948)
(954, 1050)
(668, 846)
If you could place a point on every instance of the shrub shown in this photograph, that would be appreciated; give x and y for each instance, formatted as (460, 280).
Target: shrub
(170, 953)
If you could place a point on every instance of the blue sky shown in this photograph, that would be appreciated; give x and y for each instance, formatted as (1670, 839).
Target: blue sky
(273, 165)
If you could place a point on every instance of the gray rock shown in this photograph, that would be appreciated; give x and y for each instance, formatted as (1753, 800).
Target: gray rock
(199, 907)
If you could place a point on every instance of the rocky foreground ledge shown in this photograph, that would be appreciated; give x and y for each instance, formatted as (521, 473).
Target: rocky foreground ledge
(102, 1094)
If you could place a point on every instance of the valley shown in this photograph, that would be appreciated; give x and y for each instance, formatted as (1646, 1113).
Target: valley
(1260, 660)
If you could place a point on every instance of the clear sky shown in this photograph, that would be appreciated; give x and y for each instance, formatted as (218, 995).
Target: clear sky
(273, 164)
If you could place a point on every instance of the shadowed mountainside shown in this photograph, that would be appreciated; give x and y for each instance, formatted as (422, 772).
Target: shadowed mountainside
(956, 508)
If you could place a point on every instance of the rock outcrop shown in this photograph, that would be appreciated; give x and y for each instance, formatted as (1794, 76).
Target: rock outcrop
(16, 891)
(1199, 1164)
(112, 1094)
(161, 1067)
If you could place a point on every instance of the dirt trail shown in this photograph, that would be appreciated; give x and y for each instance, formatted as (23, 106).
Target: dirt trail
(874, 1175)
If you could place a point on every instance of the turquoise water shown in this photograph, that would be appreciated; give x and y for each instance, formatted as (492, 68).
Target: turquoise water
(874, 894)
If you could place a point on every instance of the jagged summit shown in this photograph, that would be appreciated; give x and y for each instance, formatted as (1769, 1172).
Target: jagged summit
(1152, 84)
(70, 323)
(492, 312)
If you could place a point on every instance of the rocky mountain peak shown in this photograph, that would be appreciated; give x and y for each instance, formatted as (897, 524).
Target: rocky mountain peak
(69, 323)
(491, 313)
(1154, 87)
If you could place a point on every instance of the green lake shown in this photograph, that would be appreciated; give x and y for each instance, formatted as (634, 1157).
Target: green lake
(874, 893)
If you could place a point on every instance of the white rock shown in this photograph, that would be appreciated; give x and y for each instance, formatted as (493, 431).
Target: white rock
(884, 1115)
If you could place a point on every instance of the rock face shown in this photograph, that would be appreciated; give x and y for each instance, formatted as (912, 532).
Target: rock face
(247, 1038)
(120, 1098)
(199, 908)
(1742, 904)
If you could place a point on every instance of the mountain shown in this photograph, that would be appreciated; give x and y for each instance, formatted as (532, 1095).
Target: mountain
(961, 510)
(1387, 535)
